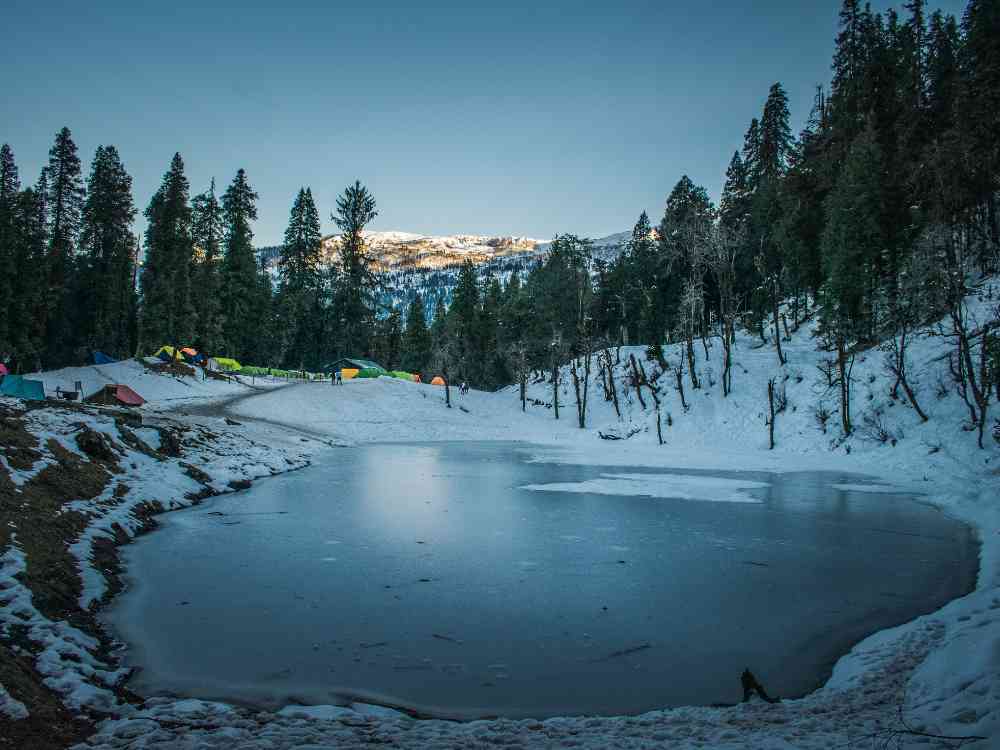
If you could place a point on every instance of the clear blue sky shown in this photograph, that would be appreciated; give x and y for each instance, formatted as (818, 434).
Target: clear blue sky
(512, 117)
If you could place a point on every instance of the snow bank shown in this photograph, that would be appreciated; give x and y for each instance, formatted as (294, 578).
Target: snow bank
(69, 660)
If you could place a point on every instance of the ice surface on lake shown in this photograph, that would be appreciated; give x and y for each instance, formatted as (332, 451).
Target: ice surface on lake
(679, 486)
(456, 592)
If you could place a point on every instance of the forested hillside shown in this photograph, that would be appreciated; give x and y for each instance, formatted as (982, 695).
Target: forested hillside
(875, 219)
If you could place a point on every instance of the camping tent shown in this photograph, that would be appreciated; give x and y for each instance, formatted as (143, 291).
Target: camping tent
(352, 363)
(18, 387)
(127, 396)
(100, 358)
(438, 380)
(166, 353)
(3, 369)
(229, 364)
(116, 395)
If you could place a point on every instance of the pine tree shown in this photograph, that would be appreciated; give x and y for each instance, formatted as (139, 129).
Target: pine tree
(107, 263)
(942, 72)
(775, 135)
(416, 338)
(851, 242)
(241, 291)
(751, 155)
(28, 304)
(167, 316)
(439, 324)
(493, 372)
(206, 275)
(10, 186)
(300, 253)
(734, 204)
(463, 325)
(65, 204)
(979, 107)
(299, 295)
(849, 63)
(390, 340)
(356, 295)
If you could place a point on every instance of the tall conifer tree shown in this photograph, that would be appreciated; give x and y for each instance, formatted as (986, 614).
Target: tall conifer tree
(107, 261)
(10, 186)
(206, 276)
(167, 316)
(65, 204)
(241, 283)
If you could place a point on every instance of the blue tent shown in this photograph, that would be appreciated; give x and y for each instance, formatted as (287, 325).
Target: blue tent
(100, 358)
(18, 387)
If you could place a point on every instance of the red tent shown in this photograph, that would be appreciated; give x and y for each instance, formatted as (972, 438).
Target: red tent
(114, 395)
(3, 369)
(127, 396)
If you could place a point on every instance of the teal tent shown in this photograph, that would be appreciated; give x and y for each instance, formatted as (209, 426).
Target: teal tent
(18, 387)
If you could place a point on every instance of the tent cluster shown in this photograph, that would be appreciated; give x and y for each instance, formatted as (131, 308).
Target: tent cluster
(193, 357)
(353, 367)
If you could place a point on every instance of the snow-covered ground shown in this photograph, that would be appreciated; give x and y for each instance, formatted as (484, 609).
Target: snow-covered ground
(940, 673)
(157, 388)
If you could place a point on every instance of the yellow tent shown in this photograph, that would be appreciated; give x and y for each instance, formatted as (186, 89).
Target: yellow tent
(227, 363)
(349, 373)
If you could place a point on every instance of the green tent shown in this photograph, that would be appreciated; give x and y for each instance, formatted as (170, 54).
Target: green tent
(18, 387)
(352, 363)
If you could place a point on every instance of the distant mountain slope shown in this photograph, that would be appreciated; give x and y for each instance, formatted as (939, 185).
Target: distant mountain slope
(429, 264)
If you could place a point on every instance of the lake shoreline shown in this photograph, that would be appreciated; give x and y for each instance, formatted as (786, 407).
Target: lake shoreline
(861, 628)
(922, 634)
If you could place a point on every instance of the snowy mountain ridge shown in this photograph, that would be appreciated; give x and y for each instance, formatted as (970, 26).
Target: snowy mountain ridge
(429, 264)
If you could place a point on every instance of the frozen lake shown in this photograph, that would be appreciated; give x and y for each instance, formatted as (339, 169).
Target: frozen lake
(429, 577)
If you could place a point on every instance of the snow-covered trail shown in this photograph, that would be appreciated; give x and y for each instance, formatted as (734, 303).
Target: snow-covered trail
(391, 410)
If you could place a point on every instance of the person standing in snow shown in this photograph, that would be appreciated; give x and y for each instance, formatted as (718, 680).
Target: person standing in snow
(750, 686)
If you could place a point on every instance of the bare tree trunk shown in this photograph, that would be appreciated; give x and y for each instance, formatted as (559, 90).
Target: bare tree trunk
(637, 381)
(611, 380)
(770, 422)
(447, 386)
(555, 387)
(656, 402)
(581, 398)
(777, 333)
(679, 372)
(897, 365)
(845, 383)
(727, 360)
(691, 362)
(524, 389)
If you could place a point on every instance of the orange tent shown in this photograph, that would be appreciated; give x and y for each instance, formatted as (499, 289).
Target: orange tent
(438, 380)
